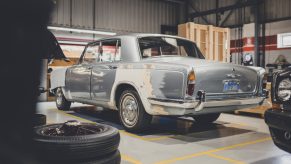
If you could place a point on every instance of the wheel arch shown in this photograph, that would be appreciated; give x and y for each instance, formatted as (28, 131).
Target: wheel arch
(120, 88)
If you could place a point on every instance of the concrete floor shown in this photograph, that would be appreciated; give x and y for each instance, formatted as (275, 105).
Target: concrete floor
(231, 139)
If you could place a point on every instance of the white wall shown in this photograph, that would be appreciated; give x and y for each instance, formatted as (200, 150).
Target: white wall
(272, 29)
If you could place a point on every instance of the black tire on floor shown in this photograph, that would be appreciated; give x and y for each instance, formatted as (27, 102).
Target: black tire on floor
(113, 158)
(38, 119)
(206, 118)
(61, 102)
(79, 147)
(141, 120)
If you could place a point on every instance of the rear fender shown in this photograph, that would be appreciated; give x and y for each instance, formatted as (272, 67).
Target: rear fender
(58, 78)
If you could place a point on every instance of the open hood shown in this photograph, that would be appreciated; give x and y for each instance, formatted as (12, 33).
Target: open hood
(52, 46)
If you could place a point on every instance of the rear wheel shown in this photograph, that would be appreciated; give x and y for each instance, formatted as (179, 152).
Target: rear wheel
(131, 111)
(61, 102)
(206, 118)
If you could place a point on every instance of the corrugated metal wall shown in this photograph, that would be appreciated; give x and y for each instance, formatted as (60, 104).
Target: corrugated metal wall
(115, 15)
(274, 9)
(277, 9)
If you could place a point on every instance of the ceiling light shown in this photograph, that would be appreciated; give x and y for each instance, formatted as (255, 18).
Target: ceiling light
(81, 31)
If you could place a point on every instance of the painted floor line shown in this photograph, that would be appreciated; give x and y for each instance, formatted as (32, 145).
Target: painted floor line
(129, 159)
(214, 150)
(121, 131)
(73, 116)
(225, 159)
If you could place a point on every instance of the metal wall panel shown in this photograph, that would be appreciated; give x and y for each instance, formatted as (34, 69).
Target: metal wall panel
(276, 9)
(61, 13)
(82, 13)
(117, 15)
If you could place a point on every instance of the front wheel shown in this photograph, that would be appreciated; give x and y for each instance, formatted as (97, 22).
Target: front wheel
(131, 111)
(206, 118)
(61, 102)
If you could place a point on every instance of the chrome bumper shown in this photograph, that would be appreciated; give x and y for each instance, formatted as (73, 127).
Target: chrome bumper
(200, 103)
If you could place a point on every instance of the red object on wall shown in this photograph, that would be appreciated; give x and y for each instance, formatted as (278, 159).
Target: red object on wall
(248, 44)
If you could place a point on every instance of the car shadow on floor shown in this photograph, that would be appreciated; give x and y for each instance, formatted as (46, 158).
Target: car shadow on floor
(282, 159)
(182, 129)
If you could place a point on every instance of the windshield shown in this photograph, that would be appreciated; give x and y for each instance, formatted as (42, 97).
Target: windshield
(167, 46)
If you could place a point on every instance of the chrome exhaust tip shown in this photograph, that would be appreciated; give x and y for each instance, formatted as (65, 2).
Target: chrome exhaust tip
(287, 135)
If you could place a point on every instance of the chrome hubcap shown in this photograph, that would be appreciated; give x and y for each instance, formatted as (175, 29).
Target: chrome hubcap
(129, 110)
(59, 97)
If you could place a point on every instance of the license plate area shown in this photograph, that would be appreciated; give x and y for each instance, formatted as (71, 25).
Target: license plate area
(231, 86)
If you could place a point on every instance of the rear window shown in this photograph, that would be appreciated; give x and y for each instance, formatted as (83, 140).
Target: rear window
(167, 46)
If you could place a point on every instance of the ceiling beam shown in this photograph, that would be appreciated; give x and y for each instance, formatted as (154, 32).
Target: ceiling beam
(196, 10)
(223, 9)
(228, 15)
(182, 2)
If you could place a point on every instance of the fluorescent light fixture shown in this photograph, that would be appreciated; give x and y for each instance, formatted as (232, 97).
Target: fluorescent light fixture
(81, 31)
(71, 42)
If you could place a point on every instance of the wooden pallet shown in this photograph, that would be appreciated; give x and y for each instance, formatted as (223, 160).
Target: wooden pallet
(256, 112)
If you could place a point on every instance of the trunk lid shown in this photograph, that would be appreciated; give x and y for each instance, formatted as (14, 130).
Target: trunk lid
(226, 79)
(218, 80)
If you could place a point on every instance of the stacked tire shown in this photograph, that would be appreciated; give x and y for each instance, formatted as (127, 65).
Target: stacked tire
(38, 119)
(74, 142)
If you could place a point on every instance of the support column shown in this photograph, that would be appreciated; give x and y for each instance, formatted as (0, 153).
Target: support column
(257, 60)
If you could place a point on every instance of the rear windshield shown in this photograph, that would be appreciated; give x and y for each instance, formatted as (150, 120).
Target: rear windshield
(167, 46)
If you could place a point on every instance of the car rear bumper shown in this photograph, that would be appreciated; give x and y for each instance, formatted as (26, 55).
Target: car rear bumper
(279, 123)
(201, 106)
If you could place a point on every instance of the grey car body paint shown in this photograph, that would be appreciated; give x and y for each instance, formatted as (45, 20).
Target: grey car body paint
(160, 78)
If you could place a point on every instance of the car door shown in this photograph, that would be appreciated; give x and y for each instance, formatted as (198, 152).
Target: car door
(104, 72)
(80, 74)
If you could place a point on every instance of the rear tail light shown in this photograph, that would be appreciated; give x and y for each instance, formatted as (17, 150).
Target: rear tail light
(191, 83)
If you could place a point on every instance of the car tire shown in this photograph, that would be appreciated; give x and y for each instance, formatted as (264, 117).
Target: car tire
(38, 119)
(279, 140)
(132, 113)
(206, 118)
(113, 158)
(52, 146)
(61, 102)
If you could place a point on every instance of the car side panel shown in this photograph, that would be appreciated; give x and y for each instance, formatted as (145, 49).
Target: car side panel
(157, 82)
(78, 82)
(102, 79)
(57, 78)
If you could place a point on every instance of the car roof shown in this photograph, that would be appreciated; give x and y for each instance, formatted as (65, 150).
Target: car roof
(140, 35)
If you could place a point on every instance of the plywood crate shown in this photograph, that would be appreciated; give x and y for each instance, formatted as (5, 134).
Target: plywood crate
(214, 42)
(196, 33)
(219, 44)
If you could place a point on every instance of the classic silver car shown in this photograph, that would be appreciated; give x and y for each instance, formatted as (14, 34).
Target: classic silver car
(142, 75)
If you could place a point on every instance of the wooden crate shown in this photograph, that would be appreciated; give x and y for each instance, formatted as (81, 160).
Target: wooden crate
(196, 33)
(214, 42)
(219, 44)
(63, 63)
